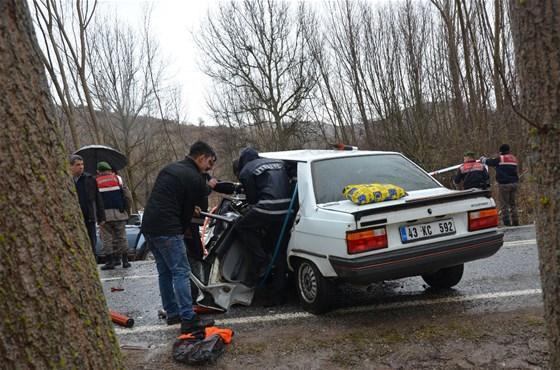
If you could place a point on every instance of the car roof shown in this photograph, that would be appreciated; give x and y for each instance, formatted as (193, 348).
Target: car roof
(308, 155)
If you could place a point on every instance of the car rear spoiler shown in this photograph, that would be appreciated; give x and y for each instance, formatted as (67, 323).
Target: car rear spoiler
(415, 202)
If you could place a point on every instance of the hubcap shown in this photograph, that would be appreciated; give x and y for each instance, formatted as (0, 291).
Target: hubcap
(307, 282)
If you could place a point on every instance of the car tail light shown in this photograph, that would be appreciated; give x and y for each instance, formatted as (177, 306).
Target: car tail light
(483, 219)
(363, 241)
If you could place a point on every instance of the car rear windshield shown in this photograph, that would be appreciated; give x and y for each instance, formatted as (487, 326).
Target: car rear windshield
(330, 176)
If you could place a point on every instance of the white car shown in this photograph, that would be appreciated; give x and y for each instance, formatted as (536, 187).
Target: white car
(431, 232)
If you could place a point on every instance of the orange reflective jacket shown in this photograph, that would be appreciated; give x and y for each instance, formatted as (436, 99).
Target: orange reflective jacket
(225, 333)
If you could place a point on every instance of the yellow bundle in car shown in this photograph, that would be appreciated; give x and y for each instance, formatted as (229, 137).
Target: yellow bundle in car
(372, 193)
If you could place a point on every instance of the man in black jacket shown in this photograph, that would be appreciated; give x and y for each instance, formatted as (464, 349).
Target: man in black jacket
(89, 198)
(179, 188)
(266, 185)
(507, 178)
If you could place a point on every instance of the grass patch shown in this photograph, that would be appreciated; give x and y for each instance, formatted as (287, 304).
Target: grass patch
(430, 332)
(344, 359)
(466, 331)
(452, 330)
(533, 320)
(247, 348)
(392, 338)
(357, 337)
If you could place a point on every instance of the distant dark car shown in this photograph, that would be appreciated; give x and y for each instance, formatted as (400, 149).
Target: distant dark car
(137, 246)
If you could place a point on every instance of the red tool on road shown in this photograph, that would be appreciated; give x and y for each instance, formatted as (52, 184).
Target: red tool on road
(121, 320)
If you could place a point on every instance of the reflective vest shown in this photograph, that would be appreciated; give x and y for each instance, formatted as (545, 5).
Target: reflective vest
(472, 167)
(473, 174)
(506, 171)
(110, 187)
(508, 159)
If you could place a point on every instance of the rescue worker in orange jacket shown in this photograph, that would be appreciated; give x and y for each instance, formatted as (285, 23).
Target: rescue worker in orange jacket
(472, 173)
(507, 178)
(116, 200)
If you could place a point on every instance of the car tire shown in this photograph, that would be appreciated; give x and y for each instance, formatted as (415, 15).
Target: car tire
(144, 253)
(314, 291)
(445, 278)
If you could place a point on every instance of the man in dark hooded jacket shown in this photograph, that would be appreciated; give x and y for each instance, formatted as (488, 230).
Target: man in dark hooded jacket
(507, 177)
(266, 185)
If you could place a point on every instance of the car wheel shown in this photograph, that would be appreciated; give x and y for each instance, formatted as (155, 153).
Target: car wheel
(144, 253)
(445, 278)
(314, 291)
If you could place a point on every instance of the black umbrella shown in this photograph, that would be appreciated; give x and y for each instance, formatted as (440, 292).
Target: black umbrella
(93, 154)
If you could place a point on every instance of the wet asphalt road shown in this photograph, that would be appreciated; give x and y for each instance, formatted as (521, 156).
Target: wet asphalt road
(506, 281)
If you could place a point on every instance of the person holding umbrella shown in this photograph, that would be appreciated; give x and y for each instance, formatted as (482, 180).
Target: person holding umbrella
(89, 198)
(116, 200)
(93, 154)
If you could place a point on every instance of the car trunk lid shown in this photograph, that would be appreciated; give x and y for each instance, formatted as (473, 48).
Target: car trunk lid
(413, 199)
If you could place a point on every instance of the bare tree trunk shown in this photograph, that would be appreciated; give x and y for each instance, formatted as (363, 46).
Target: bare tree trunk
(52, 59)
(453, 61)
(84, 18)
(497, 51)
(65, 49)
(536, 30)
(52, 310)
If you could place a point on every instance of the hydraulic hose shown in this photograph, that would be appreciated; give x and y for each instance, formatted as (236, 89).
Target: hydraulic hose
(281, 236)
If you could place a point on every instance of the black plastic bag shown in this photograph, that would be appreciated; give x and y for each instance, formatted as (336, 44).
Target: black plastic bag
(195, 351)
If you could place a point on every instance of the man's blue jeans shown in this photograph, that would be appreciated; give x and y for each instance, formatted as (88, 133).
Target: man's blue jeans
(173, 270)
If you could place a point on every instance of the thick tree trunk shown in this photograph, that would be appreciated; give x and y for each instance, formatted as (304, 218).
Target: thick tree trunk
(52, 310)
(536, 30)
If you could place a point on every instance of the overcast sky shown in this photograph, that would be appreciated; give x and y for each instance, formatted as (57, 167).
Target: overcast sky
(173, 22)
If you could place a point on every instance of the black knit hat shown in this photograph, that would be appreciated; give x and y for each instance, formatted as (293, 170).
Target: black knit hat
(504, 148)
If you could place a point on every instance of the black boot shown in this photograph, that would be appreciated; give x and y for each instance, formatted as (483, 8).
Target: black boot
(195, 324)
(125, 263)
(110, 264)
(505, 220)
(514, 219)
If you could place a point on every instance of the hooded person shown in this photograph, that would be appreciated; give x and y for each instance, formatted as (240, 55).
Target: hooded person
(507, 178)
(267, 188)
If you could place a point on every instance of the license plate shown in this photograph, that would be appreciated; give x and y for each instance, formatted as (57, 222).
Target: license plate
(428, 230)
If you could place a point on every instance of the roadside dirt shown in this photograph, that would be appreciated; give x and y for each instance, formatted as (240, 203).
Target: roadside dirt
(390, 340)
